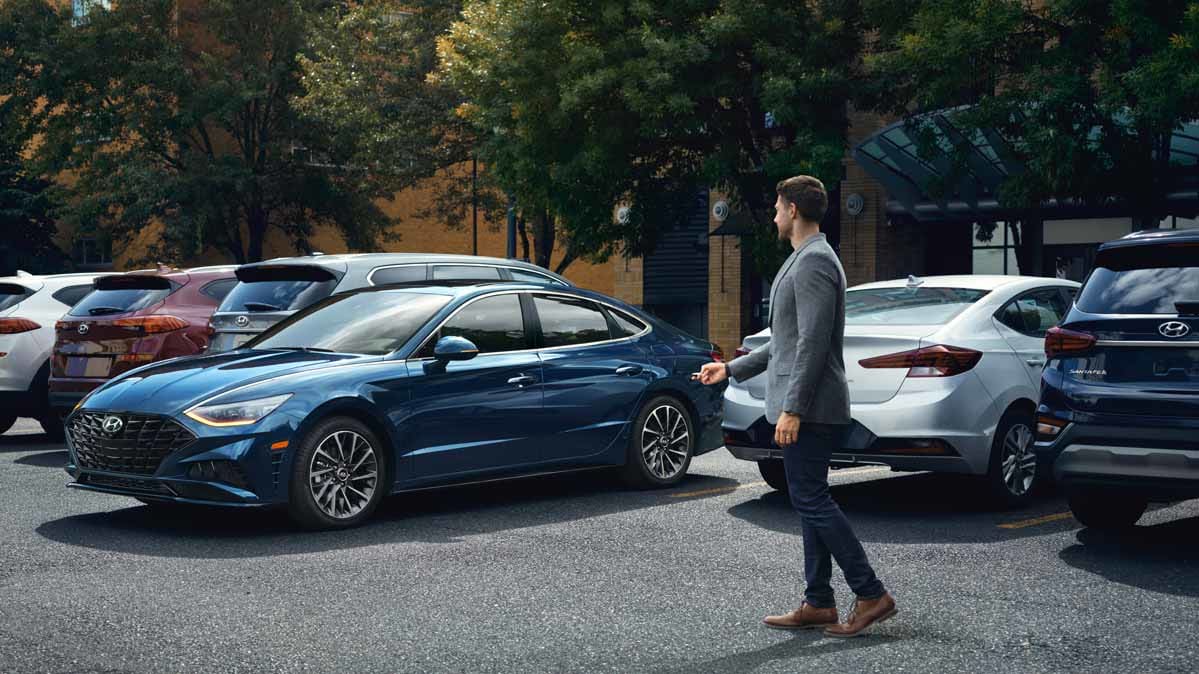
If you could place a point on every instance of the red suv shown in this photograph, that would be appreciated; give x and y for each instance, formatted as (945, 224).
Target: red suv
(130, 320)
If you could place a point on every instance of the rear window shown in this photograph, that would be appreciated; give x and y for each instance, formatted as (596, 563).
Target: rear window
(908, 306)
(372, 323)
(71, 295)
(12, 294)
(1143, 280)
(279, 288)
(122, 294)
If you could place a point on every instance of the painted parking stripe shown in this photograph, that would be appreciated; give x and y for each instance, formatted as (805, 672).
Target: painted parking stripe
(1056, 517)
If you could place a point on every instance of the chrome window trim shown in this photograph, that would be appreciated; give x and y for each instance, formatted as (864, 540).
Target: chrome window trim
(447, 319)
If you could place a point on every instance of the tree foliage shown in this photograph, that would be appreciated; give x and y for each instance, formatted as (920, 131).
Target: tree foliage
(181, 114)
(1087, 92)
(582, 106)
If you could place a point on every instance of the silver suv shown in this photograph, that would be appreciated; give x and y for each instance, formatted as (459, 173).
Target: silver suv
(272, 290)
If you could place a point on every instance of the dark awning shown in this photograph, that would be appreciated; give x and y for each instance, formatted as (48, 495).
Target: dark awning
(892, 157)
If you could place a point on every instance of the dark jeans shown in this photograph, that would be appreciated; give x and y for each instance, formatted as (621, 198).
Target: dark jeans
(826, 533)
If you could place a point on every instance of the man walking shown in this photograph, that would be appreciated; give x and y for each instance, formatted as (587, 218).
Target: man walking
(807, 399)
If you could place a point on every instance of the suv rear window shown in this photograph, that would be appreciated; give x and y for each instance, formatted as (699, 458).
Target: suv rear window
(122, 294)
(1143, 280)
(12, 294)
(908, 306)
(285, 288)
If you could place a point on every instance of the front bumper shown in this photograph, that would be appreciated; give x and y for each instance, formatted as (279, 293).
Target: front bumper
(1159, 461)
(220, 467)
(958, 412)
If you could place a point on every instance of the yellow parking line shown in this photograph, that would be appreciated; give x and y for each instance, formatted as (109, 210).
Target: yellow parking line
(717, 490)
(1037, 520)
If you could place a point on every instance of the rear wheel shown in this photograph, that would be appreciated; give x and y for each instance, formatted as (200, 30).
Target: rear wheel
(1013, 471)
(775, 473)
(1105, 510)
(339, 475)
(6, 422)
(660, 445)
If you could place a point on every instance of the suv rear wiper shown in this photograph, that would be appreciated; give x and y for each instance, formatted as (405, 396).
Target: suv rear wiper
(1187, 307)
(260, 306)
(99, 311)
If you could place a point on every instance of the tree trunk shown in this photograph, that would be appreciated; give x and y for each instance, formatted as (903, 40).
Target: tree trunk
(524, 238)
(543, 239)
(256, 221)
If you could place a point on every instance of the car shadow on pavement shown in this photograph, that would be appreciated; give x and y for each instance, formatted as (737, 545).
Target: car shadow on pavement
(27, 442)
(918, 508)
(443, 515)
(55, 459)
(1158, 558)
(789, 651)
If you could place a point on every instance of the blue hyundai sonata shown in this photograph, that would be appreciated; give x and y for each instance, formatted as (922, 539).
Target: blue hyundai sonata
(398, 388)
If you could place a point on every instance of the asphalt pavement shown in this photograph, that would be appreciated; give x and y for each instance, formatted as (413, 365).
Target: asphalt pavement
(575, 573)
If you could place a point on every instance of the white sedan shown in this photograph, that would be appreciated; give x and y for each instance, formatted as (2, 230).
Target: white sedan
(944, 375)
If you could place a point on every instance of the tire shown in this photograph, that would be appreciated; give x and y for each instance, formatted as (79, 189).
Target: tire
(775, 474)
(53, 424)
(652, 464)
(6, 422)
(1106, 510)
(1013, 475)
(349, 483)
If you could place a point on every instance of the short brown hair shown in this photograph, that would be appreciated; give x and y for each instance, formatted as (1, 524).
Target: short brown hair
(808, 195)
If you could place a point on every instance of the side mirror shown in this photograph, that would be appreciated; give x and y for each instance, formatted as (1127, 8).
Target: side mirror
(454, 348)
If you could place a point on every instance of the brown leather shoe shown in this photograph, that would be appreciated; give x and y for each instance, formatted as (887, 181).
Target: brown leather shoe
(806, 617)
(865, 614)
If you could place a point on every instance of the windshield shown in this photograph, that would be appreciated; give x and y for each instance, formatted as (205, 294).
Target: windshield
(12, 294)
(370, 323)
(907, 306)
(1143, 280)
(122, 294)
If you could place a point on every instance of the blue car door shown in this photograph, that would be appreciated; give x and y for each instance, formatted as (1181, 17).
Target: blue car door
(593, 378)
(480, 415)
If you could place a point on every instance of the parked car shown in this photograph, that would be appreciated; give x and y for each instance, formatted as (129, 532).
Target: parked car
(1119, 410)
(29, 307)
(132, 319)
(275, 289)
(390, 389)
(943, 375)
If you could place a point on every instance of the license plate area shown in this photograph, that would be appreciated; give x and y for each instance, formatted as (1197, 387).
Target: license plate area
(85, 366)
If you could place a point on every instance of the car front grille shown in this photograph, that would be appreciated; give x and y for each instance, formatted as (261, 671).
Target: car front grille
(138, 445)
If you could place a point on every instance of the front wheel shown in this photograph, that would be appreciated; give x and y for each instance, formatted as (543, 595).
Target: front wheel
(6, 422)
(775, 474)
(338, 475)
(661, 444)
(1105, 510)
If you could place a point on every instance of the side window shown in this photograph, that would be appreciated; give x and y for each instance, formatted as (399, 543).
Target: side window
(627, 324)
(465, 273)
(566, 321)
(1010, 316)
(1041, 310)
(532, 276)
(408, 273)
(71, 295)
(494, 324)
(218, 289)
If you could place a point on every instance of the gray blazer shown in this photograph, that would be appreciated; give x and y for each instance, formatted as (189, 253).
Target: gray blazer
(803, 359)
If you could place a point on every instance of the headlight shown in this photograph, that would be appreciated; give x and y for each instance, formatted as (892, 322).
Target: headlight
(236, 414)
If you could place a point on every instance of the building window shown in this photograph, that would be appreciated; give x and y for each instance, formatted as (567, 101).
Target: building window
(91, 252)
(80, 9)
(995, 248)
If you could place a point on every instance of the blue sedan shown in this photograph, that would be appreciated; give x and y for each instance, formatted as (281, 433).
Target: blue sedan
(397, 388)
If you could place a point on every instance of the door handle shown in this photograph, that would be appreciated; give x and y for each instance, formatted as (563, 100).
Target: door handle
(1033, 362)
(522, 381)
(629, 370)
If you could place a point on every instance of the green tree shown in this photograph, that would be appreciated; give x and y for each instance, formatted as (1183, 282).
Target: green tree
(1086, 93)
(582, 106)
(181, 115)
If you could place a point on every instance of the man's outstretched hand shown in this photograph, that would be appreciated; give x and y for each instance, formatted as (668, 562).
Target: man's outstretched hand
(712, 373)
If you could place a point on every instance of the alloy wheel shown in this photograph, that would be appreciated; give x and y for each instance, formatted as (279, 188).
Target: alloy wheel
(664, 442)
(343, 474)
(1019, 461)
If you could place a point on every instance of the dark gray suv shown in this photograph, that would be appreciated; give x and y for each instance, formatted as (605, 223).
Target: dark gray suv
(272, 290)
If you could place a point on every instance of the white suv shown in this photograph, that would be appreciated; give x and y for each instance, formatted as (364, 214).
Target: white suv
(29, 307)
